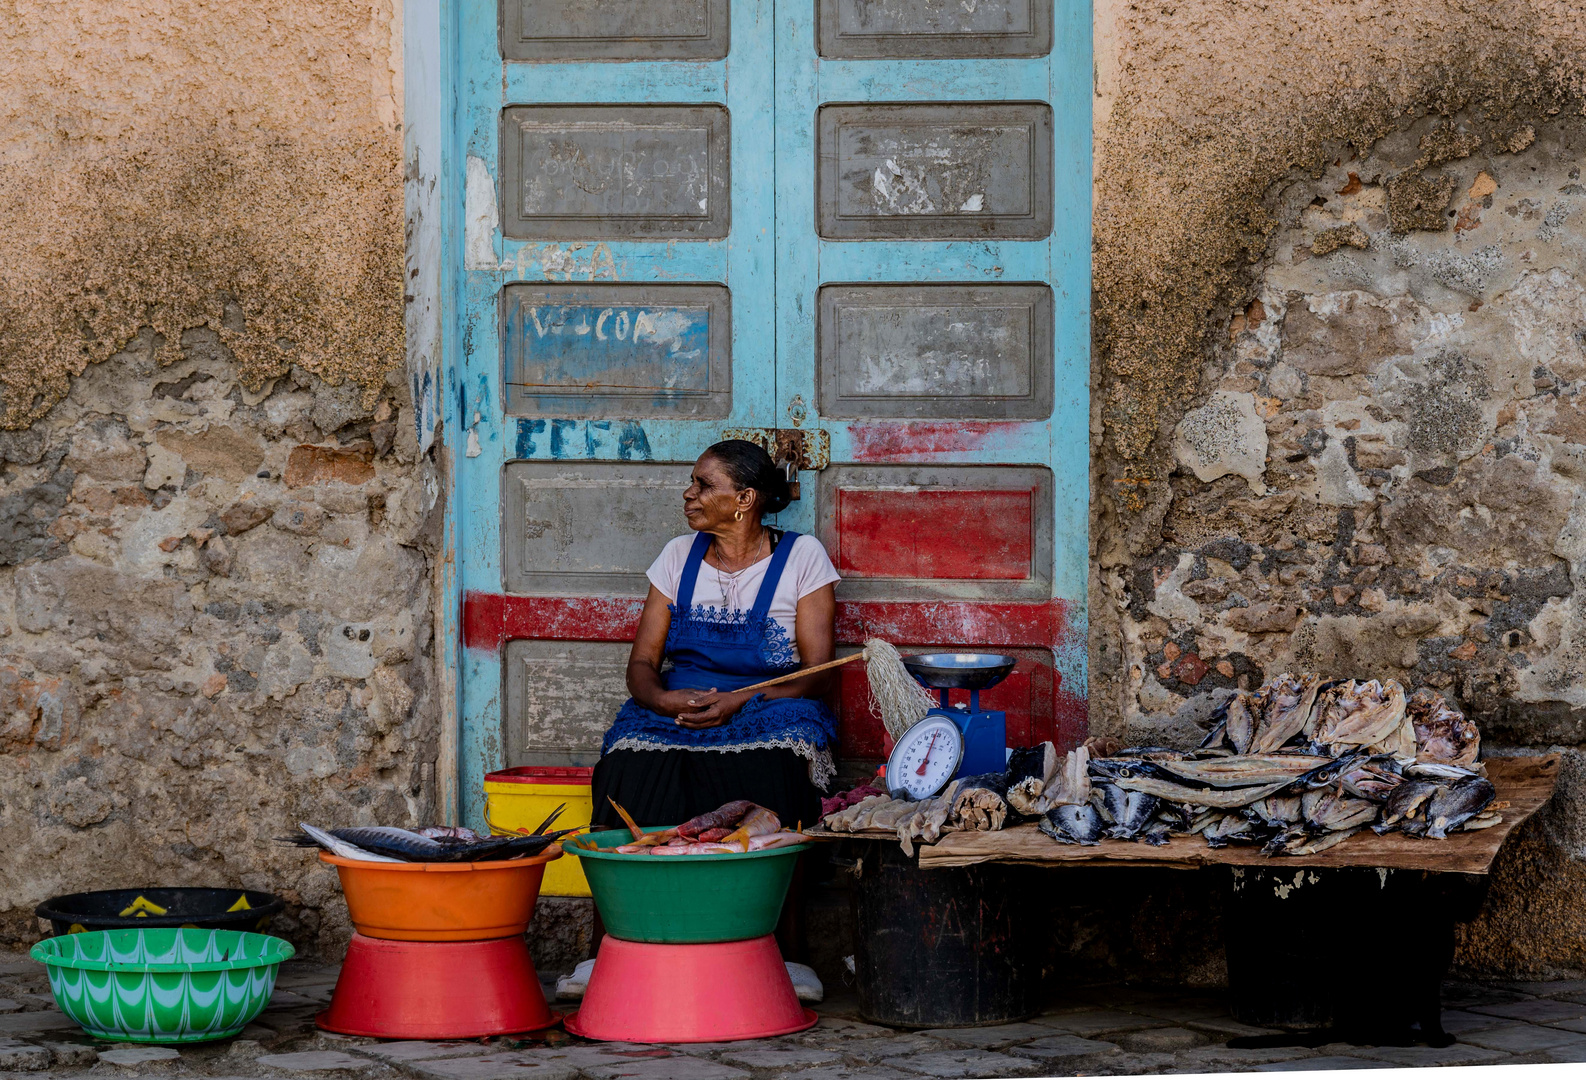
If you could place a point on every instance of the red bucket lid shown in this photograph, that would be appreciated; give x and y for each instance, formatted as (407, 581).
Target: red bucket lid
(542, 774)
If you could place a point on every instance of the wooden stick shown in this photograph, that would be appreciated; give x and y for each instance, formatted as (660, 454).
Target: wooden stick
(801, 672)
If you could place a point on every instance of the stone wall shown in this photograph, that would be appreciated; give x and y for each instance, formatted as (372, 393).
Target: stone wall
(1340, 343)
(216, 532)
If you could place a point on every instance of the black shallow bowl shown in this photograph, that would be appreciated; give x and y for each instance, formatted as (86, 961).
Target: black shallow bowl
(960, 671)
(207, 909)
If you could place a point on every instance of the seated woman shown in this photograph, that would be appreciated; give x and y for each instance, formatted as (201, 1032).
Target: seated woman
(730, 606)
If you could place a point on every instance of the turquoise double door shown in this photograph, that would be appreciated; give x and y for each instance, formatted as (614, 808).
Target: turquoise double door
(855, 231)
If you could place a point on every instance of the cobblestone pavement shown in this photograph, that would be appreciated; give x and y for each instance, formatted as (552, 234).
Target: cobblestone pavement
(1106, 1032)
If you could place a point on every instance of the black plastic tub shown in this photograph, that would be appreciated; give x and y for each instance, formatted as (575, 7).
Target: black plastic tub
(1355, 952)
(940, 948)
(114, 909)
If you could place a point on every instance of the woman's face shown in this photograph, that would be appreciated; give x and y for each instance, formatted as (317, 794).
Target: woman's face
(711, 500)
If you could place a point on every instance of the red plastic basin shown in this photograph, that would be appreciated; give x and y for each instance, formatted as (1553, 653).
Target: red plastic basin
(436, 990)
(716, 992)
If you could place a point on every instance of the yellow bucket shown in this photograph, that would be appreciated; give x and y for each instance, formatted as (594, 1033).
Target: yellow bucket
(523, 797)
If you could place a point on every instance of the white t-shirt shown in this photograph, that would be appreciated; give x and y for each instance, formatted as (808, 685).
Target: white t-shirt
(808, 568)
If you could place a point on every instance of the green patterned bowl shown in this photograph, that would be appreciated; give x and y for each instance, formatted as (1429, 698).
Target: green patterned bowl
(162, 985)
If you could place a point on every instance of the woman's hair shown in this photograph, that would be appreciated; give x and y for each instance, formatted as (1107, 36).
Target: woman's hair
(749, 466)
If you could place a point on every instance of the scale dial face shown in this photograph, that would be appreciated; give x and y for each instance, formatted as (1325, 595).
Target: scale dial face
(925, 758)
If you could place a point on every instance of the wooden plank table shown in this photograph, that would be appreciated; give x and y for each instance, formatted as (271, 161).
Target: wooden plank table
(1526, 783)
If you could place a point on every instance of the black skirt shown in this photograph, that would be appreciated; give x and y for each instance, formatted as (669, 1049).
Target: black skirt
(667, 787)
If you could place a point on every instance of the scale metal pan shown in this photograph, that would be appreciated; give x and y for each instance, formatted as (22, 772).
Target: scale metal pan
(960, 671)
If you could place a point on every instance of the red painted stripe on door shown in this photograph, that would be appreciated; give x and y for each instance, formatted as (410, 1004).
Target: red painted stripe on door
(492, 618)
(958, 535)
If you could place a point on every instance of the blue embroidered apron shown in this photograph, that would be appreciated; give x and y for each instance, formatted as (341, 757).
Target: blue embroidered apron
(728, 650)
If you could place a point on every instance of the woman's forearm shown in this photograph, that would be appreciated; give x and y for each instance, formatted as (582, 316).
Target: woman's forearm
(644, 683)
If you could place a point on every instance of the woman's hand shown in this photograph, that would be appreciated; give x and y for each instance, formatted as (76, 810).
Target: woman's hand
(712, 708)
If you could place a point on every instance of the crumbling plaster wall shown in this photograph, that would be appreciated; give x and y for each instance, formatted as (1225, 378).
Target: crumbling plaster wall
(1340, 343)
(216, 530)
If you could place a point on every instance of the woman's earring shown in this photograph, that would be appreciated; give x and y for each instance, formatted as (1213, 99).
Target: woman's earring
(738, 516)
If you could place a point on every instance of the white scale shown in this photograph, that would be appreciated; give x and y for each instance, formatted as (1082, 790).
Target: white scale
(925, 758)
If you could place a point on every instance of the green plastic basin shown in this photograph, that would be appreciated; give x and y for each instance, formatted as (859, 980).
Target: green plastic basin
(686, 899)
(162, 985)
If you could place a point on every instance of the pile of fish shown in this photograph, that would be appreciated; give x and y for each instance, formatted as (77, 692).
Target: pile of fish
(441, 843)
(1297, 766)
(731, 829)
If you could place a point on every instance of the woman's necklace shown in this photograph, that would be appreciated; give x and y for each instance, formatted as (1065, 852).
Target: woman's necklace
(728, 581)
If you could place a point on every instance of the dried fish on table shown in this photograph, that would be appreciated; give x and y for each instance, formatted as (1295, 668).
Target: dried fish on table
(1298, 840)
(1153, 779)
(1452, 806)
(1030, 771)
(1135, 814)
(1070, 787)
(1232, 828)
(1275, 811)
(1108, 798)
(981, 802)
(1286, 711)
(1239, 714)
(1407, 800)
(928, 821)
(847, 820)
(1073, 824)
(1437, 770)
(1375, 779)
(1442, 734)
(1329, 810)
(1358, 714)
(1243, 770)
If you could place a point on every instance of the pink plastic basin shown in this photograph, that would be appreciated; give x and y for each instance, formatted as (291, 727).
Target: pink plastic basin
(717, 992)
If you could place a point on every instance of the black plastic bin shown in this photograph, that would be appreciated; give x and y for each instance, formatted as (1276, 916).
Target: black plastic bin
(207, 909)
(940, 948)
(1360, 952)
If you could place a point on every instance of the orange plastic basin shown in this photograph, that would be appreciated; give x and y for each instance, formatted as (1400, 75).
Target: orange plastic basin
(441, 901)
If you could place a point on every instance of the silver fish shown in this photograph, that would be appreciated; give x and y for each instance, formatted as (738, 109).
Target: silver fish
(1244, 770)
(1311, 845)
(1407, 799)
(1435, 770)
(1232, 828)
(1335, 812)
(341, 847)
(1073, 824)
(1209, 798)
(1276, 811)
(1326, 775)
(1452, 806)
(1289, 702)
(1375, 779)
(1138, 810)
(1109, 799)
(1242, 713)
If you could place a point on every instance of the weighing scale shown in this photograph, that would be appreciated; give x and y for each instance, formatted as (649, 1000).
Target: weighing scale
(951, 741)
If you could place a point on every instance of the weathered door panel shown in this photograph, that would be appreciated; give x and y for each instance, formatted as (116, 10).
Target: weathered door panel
(560, 30)
(939, 351)
(650, 351)
(913, 29)
(933, 239)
